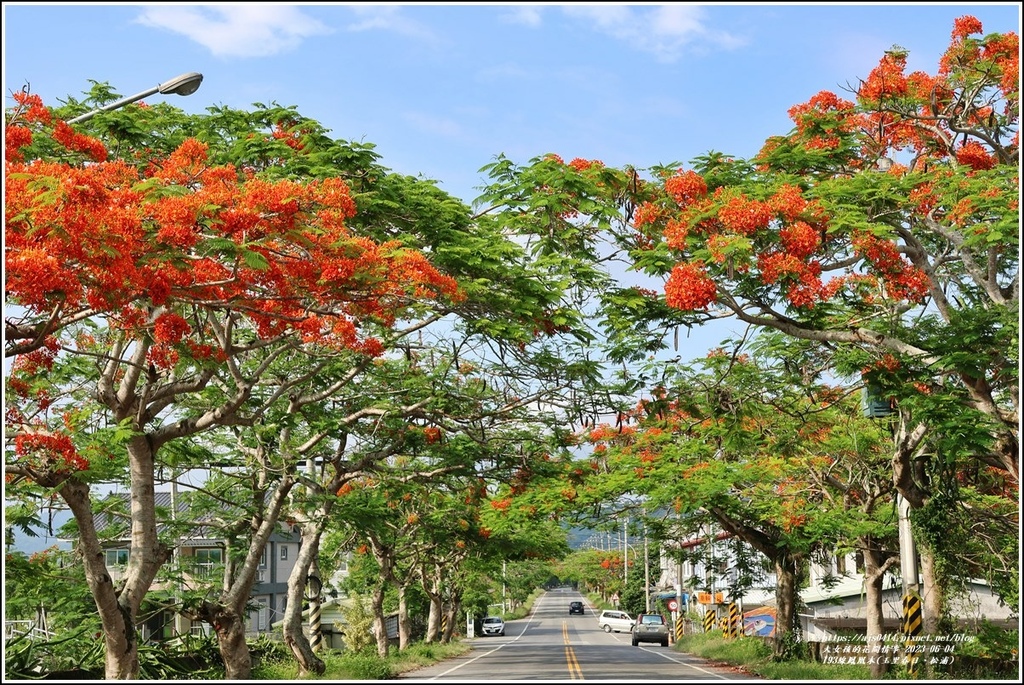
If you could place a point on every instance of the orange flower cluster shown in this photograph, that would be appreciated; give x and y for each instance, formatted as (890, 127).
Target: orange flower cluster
(120, 243)
(788, 201)
(580, 164)
(647, 213)
(1002, 51)
(685, 187)
(49, 451)
(965, 26)
(689, 288)
(821, 120)
(887, 79)
(79, 142)
(904, 281)
(800, 239)
(745, 216)
(973, 154)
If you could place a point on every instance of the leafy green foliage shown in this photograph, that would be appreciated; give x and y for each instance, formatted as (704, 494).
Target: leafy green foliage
(358, 627)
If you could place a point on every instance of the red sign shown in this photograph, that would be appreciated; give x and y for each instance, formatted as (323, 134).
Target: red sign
(672, 604)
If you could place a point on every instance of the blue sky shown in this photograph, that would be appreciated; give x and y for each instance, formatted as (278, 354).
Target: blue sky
(441, 89)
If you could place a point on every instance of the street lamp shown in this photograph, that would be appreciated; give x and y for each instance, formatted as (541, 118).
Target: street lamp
(186, 84)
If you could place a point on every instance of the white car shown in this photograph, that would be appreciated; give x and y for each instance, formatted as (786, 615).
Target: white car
(493, 625)
(615, 621)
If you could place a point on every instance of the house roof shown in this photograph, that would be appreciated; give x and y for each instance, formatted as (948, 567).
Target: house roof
(198, 536)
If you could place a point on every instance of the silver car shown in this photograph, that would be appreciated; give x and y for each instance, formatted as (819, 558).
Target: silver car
(493, 625)
(650, 628)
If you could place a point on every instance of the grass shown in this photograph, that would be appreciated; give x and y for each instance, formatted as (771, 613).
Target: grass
(363, 666)
(755, 657)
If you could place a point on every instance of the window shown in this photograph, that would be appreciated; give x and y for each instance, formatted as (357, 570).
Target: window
(207, 560)
(262, 616)
(117, 557)
(284, 552)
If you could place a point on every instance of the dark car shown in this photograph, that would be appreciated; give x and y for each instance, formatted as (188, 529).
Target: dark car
(576, 608)
(650, 628)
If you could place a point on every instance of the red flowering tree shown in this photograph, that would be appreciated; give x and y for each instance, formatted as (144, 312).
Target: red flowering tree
(134, 287)
(885, 227)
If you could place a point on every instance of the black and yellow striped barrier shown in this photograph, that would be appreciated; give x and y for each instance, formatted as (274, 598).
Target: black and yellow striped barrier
(911, 626)
(444, 625)
(709, 620)
(912, 617)
(679, 628)
(734, 621)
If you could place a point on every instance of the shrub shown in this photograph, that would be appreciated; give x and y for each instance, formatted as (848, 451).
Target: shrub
(366, 667)
(358, 628)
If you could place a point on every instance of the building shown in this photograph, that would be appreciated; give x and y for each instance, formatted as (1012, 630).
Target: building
(833, 601)
(200, 555)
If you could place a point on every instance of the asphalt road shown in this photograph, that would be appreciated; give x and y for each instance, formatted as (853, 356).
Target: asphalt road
(551, 644)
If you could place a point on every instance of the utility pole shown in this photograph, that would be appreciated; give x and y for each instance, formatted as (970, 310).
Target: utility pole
(625, 552)
(908, 553)
(647, 574)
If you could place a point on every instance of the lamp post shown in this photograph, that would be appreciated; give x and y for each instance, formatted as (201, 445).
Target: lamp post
(186, 84)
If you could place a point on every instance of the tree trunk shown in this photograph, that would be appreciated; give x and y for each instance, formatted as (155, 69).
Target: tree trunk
(120, 642)
(228, 615)
(431, 584)
(434, 619)
(404, 631)
(453, 617)
(119, 608)
(292, 628)
(932, 594)
(229, 626)
(785, 605)
(380, 629)
(874, 577)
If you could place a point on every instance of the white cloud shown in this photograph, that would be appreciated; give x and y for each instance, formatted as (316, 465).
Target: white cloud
(387, 18)
(522, 14)
(663, 30)
(243, 30)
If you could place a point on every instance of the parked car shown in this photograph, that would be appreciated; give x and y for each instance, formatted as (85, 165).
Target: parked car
(493, 625)
(650, 628)
(576, 608)
(615, 621)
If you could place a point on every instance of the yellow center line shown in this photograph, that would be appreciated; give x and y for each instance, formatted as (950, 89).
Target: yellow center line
(575, 673)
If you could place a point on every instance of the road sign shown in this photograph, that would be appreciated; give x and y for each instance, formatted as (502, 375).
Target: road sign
(672, 604)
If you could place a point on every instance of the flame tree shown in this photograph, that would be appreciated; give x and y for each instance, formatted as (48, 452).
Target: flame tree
(139, 283)
(883, 227)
